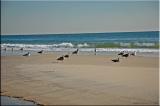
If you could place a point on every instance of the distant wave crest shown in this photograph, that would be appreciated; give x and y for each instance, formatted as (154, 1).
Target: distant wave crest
(82, 46)
(87, 45)
(43, 46)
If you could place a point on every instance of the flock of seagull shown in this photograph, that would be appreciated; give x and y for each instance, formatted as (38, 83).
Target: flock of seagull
(61, 58)
(28, 54)
(124, 54)
(67, 55)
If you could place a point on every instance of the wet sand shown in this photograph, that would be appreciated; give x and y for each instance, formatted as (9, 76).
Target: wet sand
(81, 79)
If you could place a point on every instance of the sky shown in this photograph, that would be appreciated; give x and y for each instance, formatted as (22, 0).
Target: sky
(50, 17)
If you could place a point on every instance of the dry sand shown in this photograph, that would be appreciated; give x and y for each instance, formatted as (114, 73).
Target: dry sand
(81, 80)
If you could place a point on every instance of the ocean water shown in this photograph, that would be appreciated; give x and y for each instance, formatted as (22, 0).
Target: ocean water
(86, 42)
(10, 101)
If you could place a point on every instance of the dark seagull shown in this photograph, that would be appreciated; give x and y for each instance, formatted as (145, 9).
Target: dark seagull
(40, 52)
(133, 53)
(5, 49)
(27, 54)
(116, 60)
(21, 48)
(95, 51)
(121, 53)
(66, 56)
(75, 52)
(125, 55)
(60, 58)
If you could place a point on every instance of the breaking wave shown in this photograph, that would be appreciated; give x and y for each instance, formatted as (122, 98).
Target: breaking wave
(43, 46)
(83, 47)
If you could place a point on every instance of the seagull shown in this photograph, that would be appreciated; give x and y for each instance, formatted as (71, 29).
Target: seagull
(95, 51)
(60, 58)
(66, 56)
(27, 54)
(40, 51)
(125, 55)
(5, 49)
(133, 54)
(21, 48)
(75, 52)
(115, 60)
(121, 53)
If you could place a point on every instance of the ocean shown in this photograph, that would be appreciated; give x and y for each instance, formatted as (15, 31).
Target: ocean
(11, 101)
(106, 43)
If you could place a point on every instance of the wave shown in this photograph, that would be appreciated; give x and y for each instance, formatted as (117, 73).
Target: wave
(63, 45)
(37, 45)
(145, 44)
(49, 47)
(128, 49)
(83, 47)
(87, 45)
(138, 44)
(129, 45)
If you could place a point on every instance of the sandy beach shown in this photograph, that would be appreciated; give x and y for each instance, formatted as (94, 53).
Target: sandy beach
(81, 79)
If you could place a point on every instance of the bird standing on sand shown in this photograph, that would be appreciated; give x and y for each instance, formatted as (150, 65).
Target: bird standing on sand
(66, 56)
(133, 54)
(115, 60)
(27, 54)
(40, 52)
(125, 55)
(95, 51)
(60, 58)
(121, 53)
(75, 52)
(5, 49)
(21, 49)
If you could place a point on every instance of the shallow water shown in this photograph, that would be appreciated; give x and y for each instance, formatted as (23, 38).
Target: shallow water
(5, 100)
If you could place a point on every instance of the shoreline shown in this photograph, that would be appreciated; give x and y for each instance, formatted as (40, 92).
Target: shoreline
(83, 51)
(81, 79)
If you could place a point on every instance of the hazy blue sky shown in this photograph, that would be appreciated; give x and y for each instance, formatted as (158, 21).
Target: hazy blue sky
(32, 17)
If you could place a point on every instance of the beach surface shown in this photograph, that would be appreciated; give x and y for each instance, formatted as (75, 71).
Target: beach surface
(81, 79)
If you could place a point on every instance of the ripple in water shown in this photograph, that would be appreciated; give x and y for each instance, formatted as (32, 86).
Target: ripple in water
(5, 100)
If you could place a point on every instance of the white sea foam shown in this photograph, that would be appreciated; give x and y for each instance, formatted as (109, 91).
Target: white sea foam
(83, 45)
(144, 44)
(63, 45)
(125, 44)
(38, 45)
(128, 49)
(71, 47)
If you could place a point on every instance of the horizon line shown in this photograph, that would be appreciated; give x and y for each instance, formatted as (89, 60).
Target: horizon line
(78, 33)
